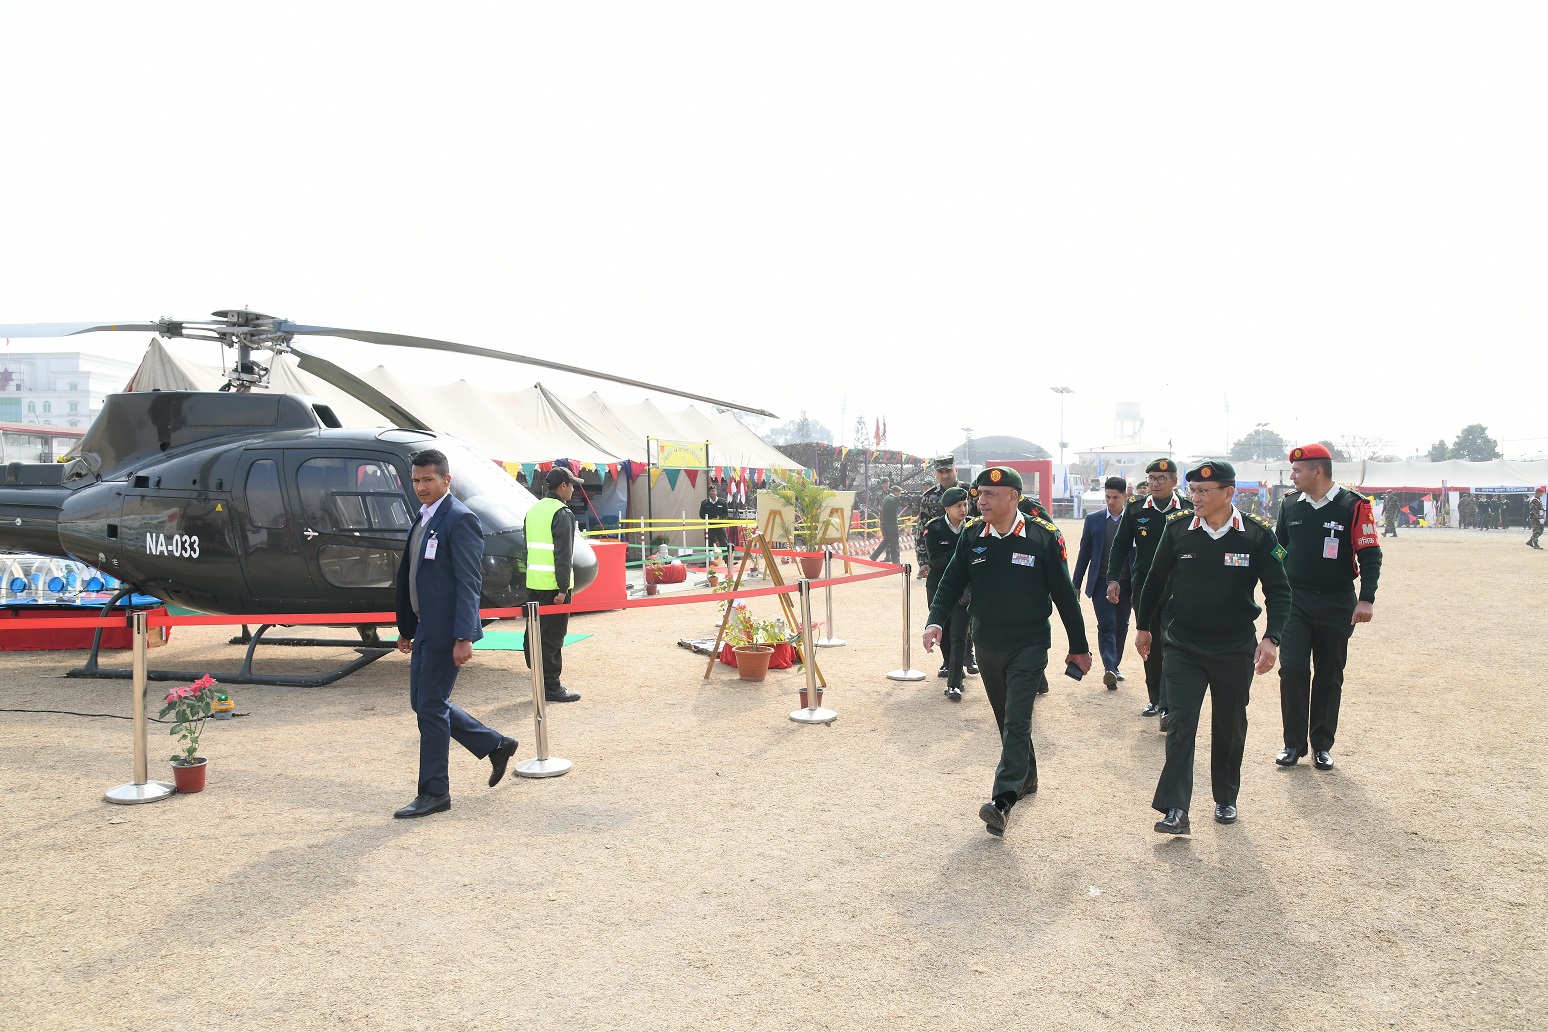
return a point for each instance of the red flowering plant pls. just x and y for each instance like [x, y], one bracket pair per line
[190, 707]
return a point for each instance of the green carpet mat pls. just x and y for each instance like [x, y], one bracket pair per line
[512, 641]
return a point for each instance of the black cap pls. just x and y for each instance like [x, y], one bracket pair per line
[560, 475]
[1212, 471]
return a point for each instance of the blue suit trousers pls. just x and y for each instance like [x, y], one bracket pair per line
[431, 677]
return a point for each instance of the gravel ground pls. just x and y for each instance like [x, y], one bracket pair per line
[709, 864]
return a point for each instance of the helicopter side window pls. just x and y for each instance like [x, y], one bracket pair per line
[265, 504]
[341, 494]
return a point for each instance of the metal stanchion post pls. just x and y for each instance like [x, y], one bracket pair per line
[813, 713]
[830, 642]
[907, 671]
[141, 789]
[542, 765]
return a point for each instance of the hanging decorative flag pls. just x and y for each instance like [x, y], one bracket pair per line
[530, 469]
[636, 470]
[545, 466]
[877, 434]
[672, 475]
[884, 428]
[655, 475]
[693, 477]
[612, 469]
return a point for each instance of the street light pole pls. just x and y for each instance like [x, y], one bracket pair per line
[968, 458]
[1062, 392]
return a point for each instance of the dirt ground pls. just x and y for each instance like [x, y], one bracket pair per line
[709, 864]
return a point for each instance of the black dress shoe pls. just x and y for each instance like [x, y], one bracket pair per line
[1150, 711]
[424, 805]
[993, 814]
[1322, 760]
[954, 694]
[1111, 680]
[1174, 823]
[1225, 813]
[500, 759]
[943, 672]
[972, 667]
[1166, 720]
[1289, 757]
[560, 694]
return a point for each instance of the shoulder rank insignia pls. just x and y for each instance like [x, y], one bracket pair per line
[1133, 499]
[1259, 520]
[1179, 514]
[1045, 524]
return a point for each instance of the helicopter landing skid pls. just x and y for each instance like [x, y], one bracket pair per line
[368, 654]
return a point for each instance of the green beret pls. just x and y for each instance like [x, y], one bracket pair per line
[1162, 466]
[1212, 471]
[952, 495]
[998, 476]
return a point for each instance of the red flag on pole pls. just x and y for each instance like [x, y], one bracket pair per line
[877, 434]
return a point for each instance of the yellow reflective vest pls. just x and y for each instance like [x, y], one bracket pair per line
[540, 545]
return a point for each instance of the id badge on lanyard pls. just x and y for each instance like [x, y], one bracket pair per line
[430, 546]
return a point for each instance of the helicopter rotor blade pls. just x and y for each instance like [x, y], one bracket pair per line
[399, 340]
[358, 389]
[70, 329]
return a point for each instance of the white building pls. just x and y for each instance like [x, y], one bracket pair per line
[58, 388]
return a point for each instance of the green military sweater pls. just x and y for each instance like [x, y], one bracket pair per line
[1139, 529]
[1212, 583]
[1327, 547]
[1017, 581]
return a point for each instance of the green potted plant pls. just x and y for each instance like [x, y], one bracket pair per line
[190, 706]
[811, 502]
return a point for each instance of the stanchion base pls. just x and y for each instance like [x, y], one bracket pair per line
[814, 716]
[830, 643]
[906, 675]
[549, 768]
[150, 792]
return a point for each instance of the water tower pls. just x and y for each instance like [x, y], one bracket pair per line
[1128, 424]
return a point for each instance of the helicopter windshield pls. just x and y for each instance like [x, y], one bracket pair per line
[503, 503]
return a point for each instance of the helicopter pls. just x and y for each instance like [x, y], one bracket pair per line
[245, 502]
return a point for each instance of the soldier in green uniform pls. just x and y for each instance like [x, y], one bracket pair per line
[1139, 531]
[940, 539]
[1389, 514]
[1465, 511]
[930, 508]
[1209, 564]
[1017, 568]
[1535, 518]
[1329, 536]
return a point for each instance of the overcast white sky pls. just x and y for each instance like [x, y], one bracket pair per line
[1333, 214]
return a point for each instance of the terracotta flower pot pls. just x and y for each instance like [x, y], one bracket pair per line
[652, 588]
[190, 777]
[752, 661]
[803, 698]
[811, 565]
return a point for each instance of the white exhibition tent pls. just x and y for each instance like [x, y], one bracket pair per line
[524, 428]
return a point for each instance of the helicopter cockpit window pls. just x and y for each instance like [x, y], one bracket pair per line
[339, 494]
[265, 504]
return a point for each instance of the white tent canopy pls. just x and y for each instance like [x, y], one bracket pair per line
[519, 427]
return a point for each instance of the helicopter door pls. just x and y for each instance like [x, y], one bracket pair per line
[270, 538]
[355, 522]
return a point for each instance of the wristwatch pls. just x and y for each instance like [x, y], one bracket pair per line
[1270, 637]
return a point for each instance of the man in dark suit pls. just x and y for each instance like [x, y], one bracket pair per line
[1096, 547]
[439, 581]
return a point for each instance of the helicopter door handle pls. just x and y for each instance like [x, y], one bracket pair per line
[309, 533]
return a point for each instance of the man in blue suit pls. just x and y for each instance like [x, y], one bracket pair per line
[1096, 545]
[439, 581]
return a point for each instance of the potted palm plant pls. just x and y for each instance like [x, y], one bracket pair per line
[190, 706]
[811, 502]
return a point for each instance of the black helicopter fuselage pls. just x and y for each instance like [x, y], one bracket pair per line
[256, 503]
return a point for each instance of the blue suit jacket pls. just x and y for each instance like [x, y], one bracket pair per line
[449, 584]
[1092, 536]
